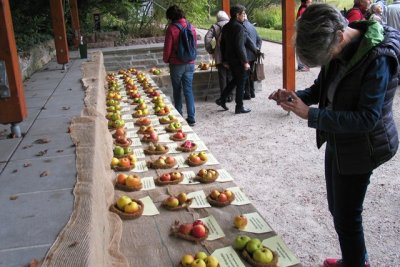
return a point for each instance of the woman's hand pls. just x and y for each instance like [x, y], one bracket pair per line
[296, 105]
[279, 96]
[289, 101]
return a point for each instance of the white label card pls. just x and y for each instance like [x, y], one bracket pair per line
[140, 166]
[139, 153]
[211, 160]
[286, 257]
[240, 197]
[148, 183]
[127, 117]
[129, 125]
[132, 134]
[224, 176]
[188, 178]
[256, 224]
[215, 231]
[149, 208]
[228, 257]
[199, 200]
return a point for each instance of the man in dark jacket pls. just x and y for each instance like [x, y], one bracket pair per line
[255, 39]
[234, 56]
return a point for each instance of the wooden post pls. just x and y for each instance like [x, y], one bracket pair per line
[60, 36]
[75, 22]
[288, 13]
[226, 6]
[12, 108]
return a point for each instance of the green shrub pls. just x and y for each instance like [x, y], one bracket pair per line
[268, 18]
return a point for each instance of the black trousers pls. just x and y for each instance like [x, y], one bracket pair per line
[240, 76]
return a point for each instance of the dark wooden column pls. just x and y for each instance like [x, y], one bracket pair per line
[288, 13]
[75, 22]
[60, 36]
[226, 6]
[13, 107]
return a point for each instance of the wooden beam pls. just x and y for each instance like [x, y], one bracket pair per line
[288, 16]
[13, 108]
[60, 36]
[226, 6]
[75, 22]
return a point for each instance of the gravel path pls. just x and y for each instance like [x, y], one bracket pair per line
[273, 157]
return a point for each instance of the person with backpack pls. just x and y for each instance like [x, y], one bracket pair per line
[180, 53]
[214, 35]
[359, 10]
[234, 57]
[354, 92]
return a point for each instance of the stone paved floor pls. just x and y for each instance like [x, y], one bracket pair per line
[37, 179]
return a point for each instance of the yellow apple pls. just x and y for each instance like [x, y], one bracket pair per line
[123, 201]
[132, 207]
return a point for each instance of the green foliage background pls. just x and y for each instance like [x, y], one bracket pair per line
[32, 19]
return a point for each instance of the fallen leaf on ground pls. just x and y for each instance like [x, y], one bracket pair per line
[13, 197]
[45, 173]
[41, 153]
[34, 263]
[42, 141]
[27, 164]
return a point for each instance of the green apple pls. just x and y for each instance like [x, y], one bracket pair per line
[119, 151]
[128, 150]
[198, 263]
[253, 245]
[123, 201]
[201, 255]
[240, 242]
[119, 123]
[211, 261]
[263, 255]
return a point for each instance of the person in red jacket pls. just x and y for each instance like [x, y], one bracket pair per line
[358, 11]
[181, 73]
[303, 6]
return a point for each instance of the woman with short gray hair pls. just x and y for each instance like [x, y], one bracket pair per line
[354, 92]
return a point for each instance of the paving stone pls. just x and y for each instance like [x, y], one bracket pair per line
[22, 256]
[58, 145]
[60, 108]
[33, 219]
[49, 126]
[2, 165]
[36, 102]
[38, 174]
[7, 147]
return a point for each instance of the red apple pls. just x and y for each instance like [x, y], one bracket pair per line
[198, 231]
[121, 178]
[124, 162]
[222, 197]
[196, 222]
[170, 160]
[185, 228]
[166, 177]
